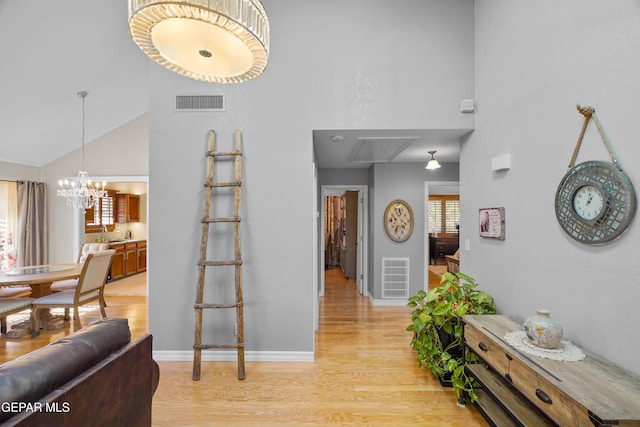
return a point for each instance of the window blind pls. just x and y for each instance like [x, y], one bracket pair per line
[444, 215]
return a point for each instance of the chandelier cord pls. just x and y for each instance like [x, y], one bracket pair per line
[82, 94]
[80, 191]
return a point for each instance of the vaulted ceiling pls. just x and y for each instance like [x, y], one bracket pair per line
[52, 50]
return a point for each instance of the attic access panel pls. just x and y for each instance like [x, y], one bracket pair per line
[379, 149]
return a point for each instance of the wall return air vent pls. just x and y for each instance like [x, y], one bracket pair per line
[395, 278]
[199, 103]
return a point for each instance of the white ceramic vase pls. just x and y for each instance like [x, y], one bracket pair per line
[542, 330]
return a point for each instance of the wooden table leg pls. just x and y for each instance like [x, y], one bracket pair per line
[47, 321]
[40, 289]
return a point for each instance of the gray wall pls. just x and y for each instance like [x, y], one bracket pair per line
[358, 176]
[16, 172]
[534, 62]
[406, 182]
[333, 65]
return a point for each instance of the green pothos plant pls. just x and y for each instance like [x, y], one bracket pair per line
[437, 326]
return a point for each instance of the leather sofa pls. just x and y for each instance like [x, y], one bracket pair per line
[94, 377]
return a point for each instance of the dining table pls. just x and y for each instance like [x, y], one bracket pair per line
[39, 277]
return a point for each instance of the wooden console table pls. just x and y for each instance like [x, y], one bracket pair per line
[522, 389]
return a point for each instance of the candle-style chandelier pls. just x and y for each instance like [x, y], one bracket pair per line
[80, 191]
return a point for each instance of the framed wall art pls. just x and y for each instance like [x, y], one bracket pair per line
[398, 221]
[492, 223]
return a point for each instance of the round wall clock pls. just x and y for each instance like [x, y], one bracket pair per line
[595, 202]
[398, 221]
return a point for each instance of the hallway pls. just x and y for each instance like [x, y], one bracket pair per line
[364, 374]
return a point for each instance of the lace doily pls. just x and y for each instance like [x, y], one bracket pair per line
[567, 351]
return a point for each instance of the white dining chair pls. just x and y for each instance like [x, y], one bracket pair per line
[90, 288]
[85, 250]
[10, 306]
[15, 291]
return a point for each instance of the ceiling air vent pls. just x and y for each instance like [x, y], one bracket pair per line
[199, 103]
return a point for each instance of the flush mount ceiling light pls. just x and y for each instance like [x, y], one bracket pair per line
[433, 163]
[217, 41]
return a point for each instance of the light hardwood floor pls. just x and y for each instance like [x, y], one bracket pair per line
[364, 374]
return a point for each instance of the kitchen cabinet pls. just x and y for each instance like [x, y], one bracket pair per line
[127, 208]
[117, 262]
[130, 258]
[142, 255]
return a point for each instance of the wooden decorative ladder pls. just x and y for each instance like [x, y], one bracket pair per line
[200, 305]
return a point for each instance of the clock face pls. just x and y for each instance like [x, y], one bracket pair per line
[398, 220]
[595, 202]
[588, 202]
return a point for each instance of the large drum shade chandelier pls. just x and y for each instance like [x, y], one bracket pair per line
[218, 41]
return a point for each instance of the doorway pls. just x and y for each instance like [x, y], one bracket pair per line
[357, 244]
[434, 187]
[116, 181]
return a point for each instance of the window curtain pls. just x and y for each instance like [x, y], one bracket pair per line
[332, 231]
[8, 224]
[32, 223]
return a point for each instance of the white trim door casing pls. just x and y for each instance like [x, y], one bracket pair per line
[316, 262]
[361, 248]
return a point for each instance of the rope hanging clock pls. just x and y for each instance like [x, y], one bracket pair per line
[595, 201]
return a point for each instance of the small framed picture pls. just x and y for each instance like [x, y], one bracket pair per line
[492, 223]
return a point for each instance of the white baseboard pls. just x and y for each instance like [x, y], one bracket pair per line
[388, 302]
[232, 356]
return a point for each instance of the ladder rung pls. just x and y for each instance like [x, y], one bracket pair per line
[223, 154]
[230, 219]
[223, 184]
[205, 346]
[219, 263]
[207, 305]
